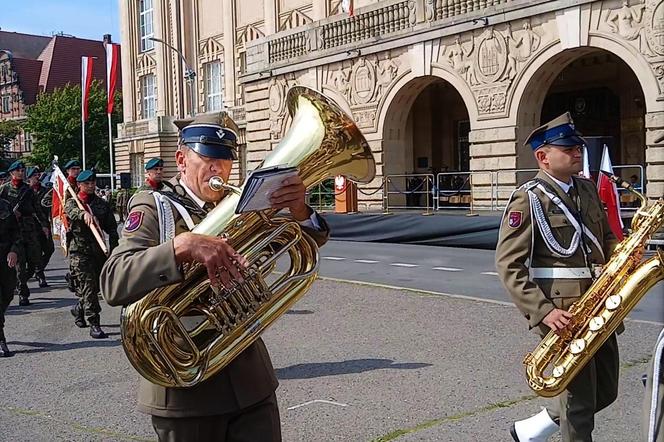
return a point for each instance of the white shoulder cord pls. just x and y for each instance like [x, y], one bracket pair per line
[166, 220]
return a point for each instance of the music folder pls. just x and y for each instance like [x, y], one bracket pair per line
[259, 187]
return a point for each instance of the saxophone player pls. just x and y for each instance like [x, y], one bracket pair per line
[239, 402]
[553, 235]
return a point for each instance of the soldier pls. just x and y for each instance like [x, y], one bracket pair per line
[32, 225]
[72, 169]
[3, 177]
[45, 241]
[10, 243]
[154, 173]
[653, 400]
[86, 257]
[239, 402]
[553, 235]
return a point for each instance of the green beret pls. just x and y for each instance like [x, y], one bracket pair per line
[86, 175]
[154, 162]
[3, 174]
[31, 171]
[18, 164]
[72, 163]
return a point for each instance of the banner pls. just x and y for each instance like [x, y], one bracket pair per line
[347, 6]
[60, 224]
[608, 193]
[86, 81]
[112, 63]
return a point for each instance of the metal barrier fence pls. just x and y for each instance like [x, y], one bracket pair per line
[459, 190]
[407, 192]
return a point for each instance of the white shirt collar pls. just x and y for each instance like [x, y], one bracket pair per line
[564, 186]
[192, 195]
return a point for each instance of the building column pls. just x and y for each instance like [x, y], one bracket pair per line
[128, 36]
[162, 58]
[655, 154]
[493, 159]
[319, 10]
[228, 11]
[271, 16]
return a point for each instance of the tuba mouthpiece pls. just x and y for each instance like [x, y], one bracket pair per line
[217, 184]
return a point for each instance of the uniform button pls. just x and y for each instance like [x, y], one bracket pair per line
[163, 277]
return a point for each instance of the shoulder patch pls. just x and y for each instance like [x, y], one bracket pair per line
[514, 219]
[134, 221]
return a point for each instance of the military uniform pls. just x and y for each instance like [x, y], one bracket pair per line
[149, 184]
[86, 257]
[653, 401]
[31, 221]
[545, 264]
[69, 168]
[43, 200]
[238, 402]
[10, 241]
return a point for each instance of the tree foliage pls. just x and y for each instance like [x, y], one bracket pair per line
[9, 129]
[55, 123]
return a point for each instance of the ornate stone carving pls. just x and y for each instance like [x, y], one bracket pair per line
[293, 19]
[430, 10]
[366, 81]
[363, 82]
[491, 56]
[277, 104]
[412, 12]
[492, 99]
[365, 118]
[520, 46]
[659, 74]
[654, 25]
[629, 24]
[459, 56]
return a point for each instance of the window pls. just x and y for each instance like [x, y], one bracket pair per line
[145, 24]
[5, 104]
[148, 96]
[136, 170]
[214, 86]
[28, 142]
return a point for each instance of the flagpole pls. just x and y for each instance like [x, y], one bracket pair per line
[83, 137]
[110, 151]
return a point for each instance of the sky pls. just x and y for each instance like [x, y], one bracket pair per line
[89, 19]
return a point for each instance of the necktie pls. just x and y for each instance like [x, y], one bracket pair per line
[208, 207]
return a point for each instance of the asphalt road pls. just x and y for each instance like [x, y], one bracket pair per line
[448, 270]
[356, 362]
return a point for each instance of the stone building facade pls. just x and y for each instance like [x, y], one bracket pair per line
[435, 85]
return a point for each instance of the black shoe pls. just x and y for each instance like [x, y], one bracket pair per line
[42, 280]
[78, 314]
[4, 351]
[96, 332]
[23, 301]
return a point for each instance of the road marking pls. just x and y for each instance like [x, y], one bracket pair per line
[490, 273]
[402, 264]
[447, 269]
[333, 258]
[366, 261]
[317, 401]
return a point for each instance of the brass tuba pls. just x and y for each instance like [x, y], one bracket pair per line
[322, 142]
[597, 314]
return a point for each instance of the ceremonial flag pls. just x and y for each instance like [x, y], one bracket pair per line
[60, 224]
[608, 193]
[86, 81]
[586, 164]
[112, 63]
[347, 6]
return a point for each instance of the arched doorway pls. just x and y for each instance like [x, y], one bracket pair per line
[425, 132]
[605, 99]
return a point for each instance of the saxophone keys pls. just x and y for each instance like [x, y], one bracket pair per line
[613, 302]
[558, 371]
[577, 346]
[596, 323]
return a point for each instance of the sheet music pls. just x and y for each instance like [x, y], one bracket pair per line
[260, 186]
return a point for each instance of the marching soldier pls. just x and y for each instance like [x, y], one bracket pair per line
[32, 225]
[45, 241]
[553, 235]
[10, 243]
[72, 169]
[154, 175]
[239, 402]
[86, 257]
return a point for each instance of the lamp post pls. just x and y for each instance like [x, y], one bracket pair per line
[189, 75]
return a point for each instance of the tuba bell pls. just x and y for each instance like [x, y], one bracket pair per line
[624, 281]
[322, 142]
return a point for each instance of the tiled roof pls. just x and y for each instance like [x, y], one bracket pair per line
[23, 45]
[28, 72]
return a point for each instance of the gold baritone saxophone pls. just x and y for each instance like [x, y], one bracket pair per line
[166, 350]
[624, 280]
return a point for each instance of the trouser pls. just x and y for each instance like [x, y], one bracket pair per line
[47, 248]
[7, 286]
[658, 415]
[258, 423]
[594, 388]
[86, 269]
[30, 258]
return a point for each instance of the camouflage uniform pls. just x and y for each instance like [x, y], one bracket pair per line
[85, 256]
[45, 241]
[31, 221]
[10, 241]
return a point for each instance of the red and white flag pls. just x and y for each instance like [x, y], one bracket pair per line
[86, 81]
[586, 164]
[347, 6]
[608, 193]
[112, 63]
[60, 223]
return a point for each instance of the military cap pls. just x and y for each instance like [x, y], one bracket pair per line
[86, 175]
[210, 135]
[31, 171]
[154, 162]
[3, 174]
[18, 164]
[559, 132]
[72, 163]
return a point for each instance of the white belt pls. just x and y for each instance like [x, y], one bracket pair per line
[560, 273]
